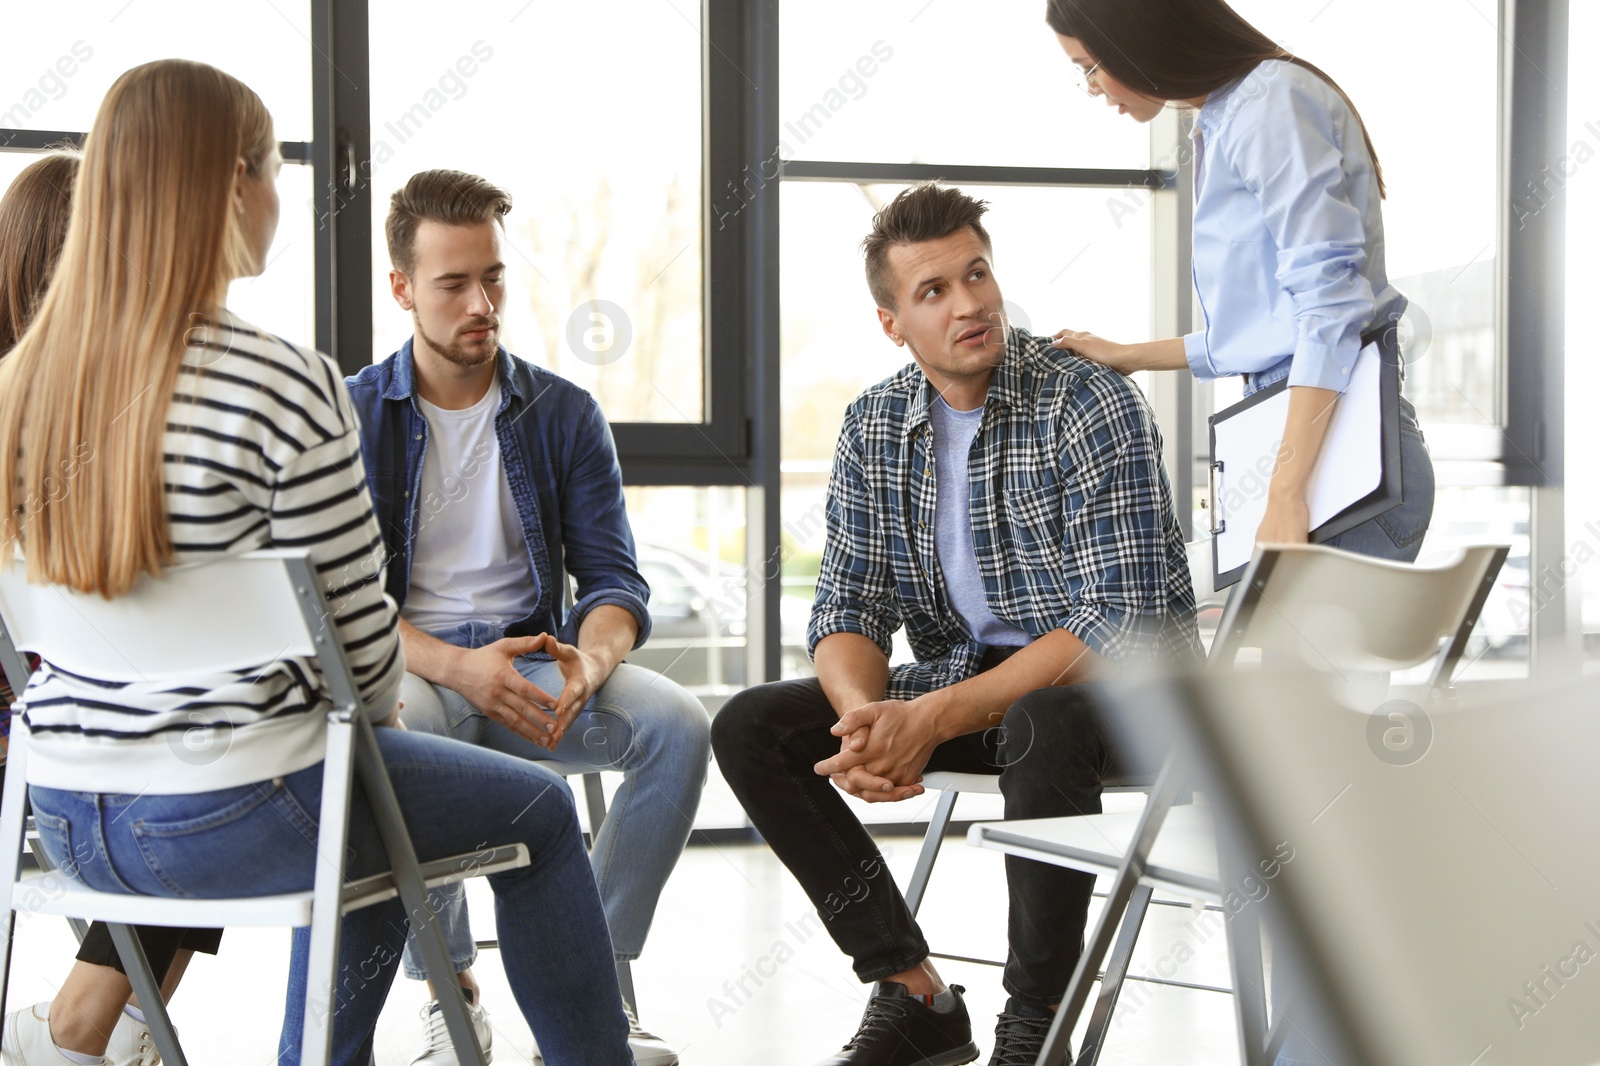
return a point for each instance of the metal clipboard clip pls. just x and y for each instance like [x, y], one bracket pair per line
[1215, 478]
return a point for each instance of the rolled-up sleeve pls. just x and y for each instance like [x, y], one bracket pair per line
[598, 540]
[1198, 356]
[1116, 514]
[1294, 166]
[855, 588]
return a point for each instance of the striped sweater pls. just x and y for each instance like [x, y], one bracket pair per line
[262, 451]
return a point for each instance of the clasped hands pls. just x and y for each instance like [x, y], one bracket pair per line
[883, 749]
[488, 678]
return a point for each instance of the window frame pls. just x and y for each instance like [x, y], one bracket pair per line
[738, 442]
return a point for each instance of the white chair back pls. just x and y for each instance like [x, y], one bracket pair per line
[119, 640]
[1444, 905]
[1334, 610]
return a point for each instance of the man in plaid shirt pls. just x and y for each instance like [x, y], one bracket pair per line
[1005, 502]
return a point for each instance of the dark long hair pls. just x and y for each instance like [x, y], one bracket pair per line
[33, 227]
[1178, 49]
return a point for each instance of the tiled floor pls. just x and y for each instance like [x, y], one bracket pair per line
[712, 980]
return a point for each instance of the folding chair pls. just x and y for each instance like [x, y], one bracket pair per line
[1332, 611]
[16, 671]
[231, 614]
[1437, 912]
[951, 785]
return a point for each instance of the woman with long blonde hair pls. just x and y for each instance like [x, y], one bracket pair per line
[143, 426]
[92, 1013]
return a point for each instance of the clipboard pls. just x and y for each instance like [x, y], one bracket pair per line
[1363, 483]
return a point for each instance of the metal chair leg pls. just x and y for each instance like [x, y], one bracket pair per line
[625, 982]
[322, 957]
[594, 792]
[1249, 986]
[5, 957]
[413, 894]
[148, 989]
[1116, 972]
[917, 887]
[1122, 890]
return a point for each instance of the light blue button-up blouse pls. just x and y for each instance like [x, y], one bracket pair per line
[1288, 239]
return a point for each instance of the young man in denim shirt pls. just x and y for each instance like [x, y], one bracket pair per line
[1005, 502]
[492, 480]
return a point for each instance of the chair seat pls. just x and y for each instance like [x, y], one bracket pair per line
[565, 769]
[944, 780]
[53, 893]
[1183, 859]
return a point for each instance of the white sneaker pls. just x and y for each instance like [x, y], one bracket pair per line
[26, 1039]
[437, 1050]
[648, 1049]
[131, 1044]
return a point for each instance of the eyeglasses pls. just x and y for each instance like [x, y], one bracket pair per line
[1088, 87]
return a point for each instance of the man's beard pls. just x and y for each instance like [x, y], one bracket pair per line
[1000, 323]
[456, 352]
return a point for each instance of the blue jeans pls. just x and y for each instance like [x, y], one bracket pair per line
[260, 839]
[649, 728]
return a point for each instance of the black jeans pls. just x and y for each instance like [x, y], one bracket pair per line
[1051, 754]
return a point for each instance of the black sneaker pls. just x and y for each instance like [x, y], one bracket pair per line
[1020, 1034]
[901, 1030]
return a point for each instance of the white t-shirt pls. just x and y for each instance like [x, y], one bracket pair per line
[469, 561]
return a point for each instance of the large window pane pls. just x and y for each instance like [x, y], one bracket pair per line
[605, 280]
[1440, 215]
[282, 299]
[1581, 565]
[1063, 257]
[1482, 515]
[691, 548]
[12, 164]
[58, 60]
[909, 81]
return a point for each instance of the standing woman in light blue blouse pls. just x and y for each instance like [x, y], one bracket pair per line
[1288, 236]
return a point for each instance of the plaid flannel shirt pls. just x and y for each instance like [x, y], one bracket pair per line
[1072, 520]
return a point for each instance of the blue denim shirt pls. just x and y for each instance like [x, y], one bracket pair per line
[560, 463]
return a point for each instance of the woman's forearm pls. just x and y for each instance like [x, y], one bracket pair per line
[1165, 354]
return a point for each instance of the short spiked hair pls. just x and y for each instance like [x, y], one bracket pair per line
[923, 212]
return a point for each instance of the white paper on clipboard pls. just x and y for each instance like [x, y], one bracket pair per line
[1247, 446]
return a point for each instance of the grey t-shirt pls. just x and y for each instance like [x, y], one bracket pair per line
[953, 432]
